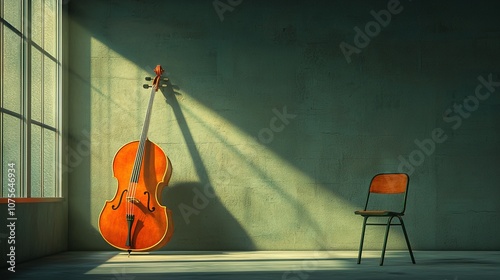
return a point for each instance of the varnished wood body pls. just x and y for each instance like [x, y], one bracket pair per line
[150, 230]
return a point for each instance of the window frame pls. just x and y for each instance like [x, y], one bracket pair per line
[24, 169]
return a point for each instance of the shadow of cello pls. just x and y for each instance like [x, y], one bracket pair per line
[201, 221]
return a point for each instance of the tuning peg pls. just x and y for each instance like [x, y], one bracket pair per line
[146, 86]
[150, 79]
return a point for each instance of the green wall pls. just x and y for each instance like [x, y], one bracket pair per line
[280, 112]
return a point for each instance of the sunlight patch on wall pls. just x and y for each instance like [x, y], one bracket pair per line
[267, 195]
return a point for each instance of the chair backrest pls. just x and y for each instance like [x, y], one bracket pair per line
[389, 183]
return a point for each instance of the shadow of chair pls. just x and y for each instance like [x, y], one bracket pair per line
[385, 185]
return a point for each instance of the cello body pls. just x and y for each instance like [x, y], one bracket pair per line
[150, 230]
[135, 219]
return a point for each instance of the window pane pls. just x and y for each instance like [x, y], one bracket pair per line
[12, 12]
[37, 22]
[50, 26]
[49, 91]
[49, 163]
[36, 84]
[12, 71]
[36, 161]
[11, 151]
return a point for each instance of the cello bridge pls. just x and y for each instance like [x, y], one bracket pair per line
[133, 200]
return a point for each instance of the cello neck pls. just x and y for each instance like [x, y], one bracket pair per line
[145, 127]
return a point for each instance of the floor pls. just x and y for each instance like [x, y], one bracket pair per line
[280, 265]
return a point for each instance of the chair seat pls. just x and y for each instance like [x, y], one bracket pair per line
[377, 213]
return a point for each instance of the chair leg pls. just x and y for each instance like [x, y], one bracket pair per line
[362, 239]
[407, 240]
[385, 240]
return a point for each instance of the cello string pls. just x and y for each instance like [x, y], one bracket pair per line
[133, 182]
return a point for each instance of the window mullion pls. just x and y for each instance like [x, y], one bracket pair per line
[27, 94]
[42, 69]
[59, 101]
[1, 93]
[42, 101]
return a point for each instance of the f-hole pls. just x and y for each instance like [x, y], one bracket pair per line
[119, 202]
[152, 209]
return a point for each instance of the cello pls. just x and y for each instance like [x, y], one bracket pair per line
[135, 220]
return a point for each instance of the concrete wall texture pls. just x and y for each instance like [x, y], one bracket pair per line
[280, 112]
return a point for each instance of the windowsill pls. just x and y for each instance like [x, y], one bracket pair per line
[5, 200]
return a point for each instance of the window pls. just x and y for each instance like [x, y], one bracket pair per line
[30, 87]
